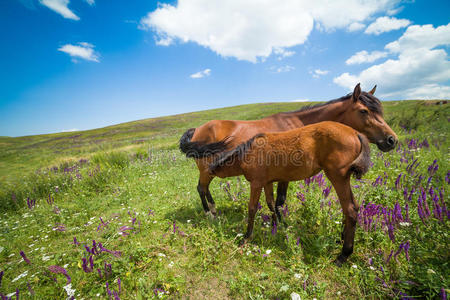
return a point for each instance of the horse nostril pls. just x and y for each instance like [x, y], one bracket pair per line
[390, 140]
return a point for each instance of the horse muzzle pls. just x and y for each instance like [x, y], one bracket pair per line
[387, 144]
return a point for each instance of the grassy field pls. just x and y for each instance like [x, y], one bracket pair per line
[114, 213]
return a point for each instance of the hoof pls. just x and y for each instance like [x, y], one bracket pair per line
[210, 215]
[340, 260]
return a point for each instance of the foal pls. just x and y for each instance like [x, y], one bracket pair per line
[298, 154]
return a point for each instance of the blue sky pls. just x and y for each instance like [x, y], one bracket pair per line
[82, 64]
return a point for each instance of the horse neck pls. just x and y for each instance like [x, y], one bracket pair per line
[329, 112]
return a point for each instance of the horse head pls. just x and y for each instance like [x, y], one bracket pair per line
[365, 114]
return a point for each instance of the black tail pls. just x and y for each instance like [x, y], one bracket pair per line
[200, 149]
[228, 157]
[361, 164]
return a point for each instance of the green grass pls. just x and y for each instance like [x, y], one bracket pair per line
[135, 177]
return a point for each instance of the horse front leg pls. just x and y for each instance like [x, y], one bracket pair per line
[350, 209]
[282, 188]
[255, 193]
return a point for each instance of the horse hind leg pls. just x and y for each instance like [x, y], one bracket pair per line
[205, 195]
[268, 190]
[350, 209]
[282, 188]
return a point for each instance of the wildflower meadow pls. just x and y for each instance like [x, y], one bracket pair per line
[113, 213]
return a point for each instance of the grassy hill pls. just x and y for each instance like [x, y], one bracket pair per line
[130, 189]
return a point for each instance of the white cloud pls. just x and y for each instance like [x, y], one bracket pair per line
[90, 2]
[251, 30]
[365, 57]
[300, 100]
[283, 69]
[355, 27]
[83, 50]
[385, 24]
[419, 71]
[425, 37]
[318, 72]
[282, 53]
[201, 74]
[60, 7]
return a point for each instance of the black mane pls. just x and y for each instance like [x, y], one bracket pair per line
[372, 103]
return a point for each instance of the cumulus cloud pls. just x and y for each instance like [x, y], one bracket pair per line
[252, 30]
[419, 70]
[81, 50]
[201, 74]
[365, 57]
[355, 27]
[385, 24]
[318, 72]
[60, 7]
[90, 2]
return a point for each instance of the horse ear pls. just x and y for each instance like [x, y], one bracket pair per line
[356, 92]
[373, 90]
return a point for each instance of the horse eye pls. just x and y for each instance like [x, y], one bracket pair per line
[364, 111]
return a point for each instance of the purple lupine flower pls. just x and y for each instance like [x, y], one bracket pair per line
[115, 253]
[266, 218]
[108, 290]
[258, 206]
[116, 296]
[298, 241]
[400, 248]
[407, 212]
[30, 290]
[25, 257]
[274, 228]
[119, 284]
[1, 277]
[301, 197]
[397, 181]
[59, 227]
[102, 224]
[91, 262]
[406, 248]
[150, 212]
[370, 261]
[99, 271]
[50, 199]
[389, 257]
[174, 227]
[326, 191]
[443, 294]
[447, 177]
[60, 270]
[75, 242]
[17, 294]
[85, 267]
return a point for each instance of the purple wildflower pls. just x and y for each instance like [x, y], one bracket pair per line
[1, 277]
[25, 257]
[397, 181]
[274, 229]
[60, 270]
[266, 218]
[116, 296]
[120, 285]
[75, 242]
[108, 290]
[443, 294]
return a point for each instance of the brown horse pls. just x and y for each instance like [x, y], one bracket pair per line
[359, 110]
[295, 155]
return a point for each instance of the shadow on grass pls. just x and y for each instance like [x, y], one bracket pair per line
[233, 219]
